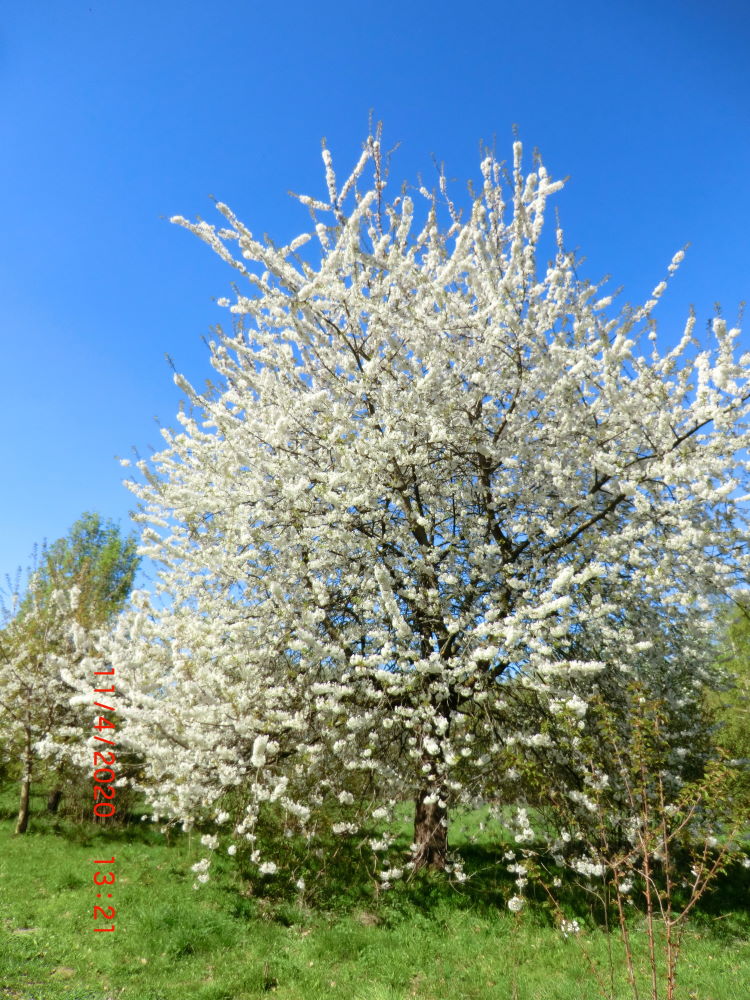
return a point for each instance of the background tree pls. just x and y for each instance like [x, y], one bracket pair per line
[731, 707]
[433, 468]
[78, 584]
[95, 557]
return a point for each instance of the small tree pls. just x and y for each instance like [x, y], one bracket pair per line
[433, 465]
[80, 581]
[632, 829]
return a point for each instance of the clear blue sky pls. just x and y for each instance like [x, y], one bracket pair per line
[117, 114]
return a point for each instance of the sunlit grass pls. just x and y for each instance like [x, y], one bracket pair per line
[427, 940]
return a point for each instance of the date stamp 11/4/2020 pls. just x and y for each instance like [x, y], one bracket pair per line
[104, 799]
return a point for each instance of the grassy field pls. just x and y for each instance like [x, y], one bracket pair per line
[427, 940]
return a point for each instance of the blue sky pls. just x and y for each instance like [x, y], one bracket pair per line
[116, 114]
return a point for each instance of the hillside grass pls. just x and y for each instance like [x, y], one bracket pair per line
[428, 939]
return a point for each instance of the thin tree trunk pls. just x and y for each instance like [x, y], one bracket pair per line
[430, 833]
[23, 806]
[53, 800]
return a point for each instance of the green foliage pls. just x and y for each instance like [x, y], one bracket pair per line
[95, 557]
[732, 707]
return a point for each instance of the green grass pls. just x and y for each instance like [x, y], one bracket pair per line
[426, 940]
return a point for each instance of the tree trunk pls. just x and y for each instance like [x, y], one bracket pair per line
[23, 805]
[430, 833]
[53, 800]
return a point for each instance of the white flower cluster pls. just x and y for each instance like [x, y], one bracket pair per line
[585, 866]
[525, 834]
[201, 869]
[569, 928]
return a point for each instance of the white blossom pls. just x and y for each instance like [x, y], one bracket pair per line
[258, 757]
[436, 480]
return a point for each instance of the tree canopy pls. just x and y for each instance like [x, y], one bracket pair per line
[77, 585]
[95, 557]
[435, 470]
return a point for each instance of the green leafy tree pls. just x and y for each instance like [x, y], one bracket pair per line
[78, 584]
[732, 707]
[95, 557]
